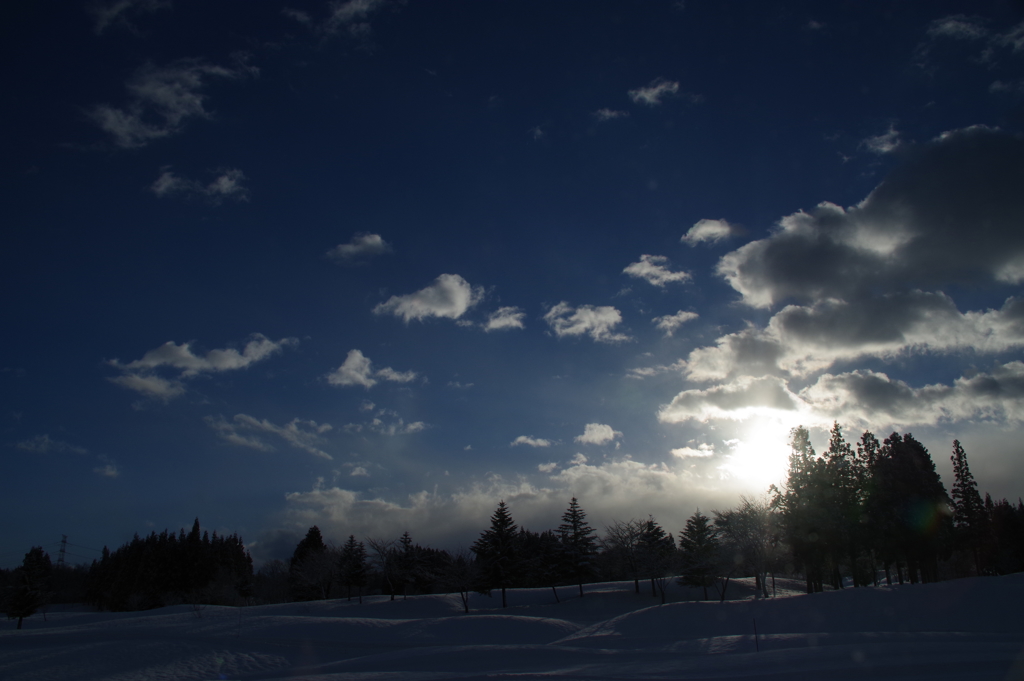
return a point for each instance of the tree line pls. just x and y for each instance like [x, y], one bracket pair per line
[854, 514]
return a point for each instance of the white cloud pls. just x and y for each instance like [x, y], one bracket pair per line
[547, 467]
[505, 318]
[140, 375]
[957, 26]
[609, 114]
[227, 185]
[298, 15]
[450, 296]
[151, 386]
[737, 401]
[596, 322]
[702, 450]
[245, 430]
[351, 15]
[44, 444]
[869, 397]
[1013, 86]
[653, 94]
[597, 434]
[359, 471]
[886, 143]
[670, 322]
[161, 100]
[531, 441]
[651, 269]
[862, 398]
[397, 427]
[800, 340]
[116, 13]
[358, 370]
[648, 372]
[108, 470]
[182, 358]
[1014, 38]
[360, 245]
[389, 374]
[709, 230]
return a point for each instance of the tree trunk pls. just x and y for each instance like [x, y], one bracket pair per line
[581, 589]
[555, 591]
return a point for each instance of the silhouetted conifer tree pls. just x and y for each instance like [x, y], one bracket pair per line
[908, 512]
[1007, 532]
[578, 545]
[496, 553]
[30, 586]
[311, 569]
[352, 566]
[657, 550]
[970, 520]
[699, 553]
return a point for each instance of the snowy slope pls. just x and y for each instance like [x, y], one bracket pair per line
[966, 629]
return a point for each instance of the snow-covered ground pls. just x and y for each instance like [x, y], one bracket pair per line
[965, 629]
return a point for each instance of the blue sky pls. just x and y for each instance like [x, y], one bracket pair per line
[376, 265]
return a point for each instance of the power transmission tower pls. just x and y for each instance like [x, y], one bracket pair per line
[63, 545]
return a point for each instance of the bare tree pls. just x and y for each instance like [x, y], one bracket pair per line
[384, 556]
[624, 540]
[753, 531]
[459, 574]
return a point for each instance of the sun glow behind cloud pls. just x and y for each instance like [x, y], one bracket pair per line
[759, 455]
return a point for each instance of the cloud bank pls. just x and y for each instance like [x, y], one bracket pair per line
[868, 282]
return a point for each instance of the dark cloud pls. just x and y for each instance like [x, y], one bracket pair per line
[951, 213]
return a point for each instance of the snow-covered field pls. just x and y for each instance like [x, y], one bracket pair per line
[965, 629]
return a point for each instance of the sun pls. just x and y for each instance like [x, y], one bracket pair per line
[759, 456]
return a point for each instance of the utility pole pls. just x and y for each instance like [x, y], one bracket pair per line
[63, 545]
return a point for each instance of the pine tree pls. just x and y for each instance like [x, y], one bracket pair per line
[804, 507]
[496, 553]
[969, 516]
[352, 566]
[908, 511]
[578, 544]
[311, 568]
[699, 551]
[846, 473]
[657, 549]
[407, 563]
[31, 585]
